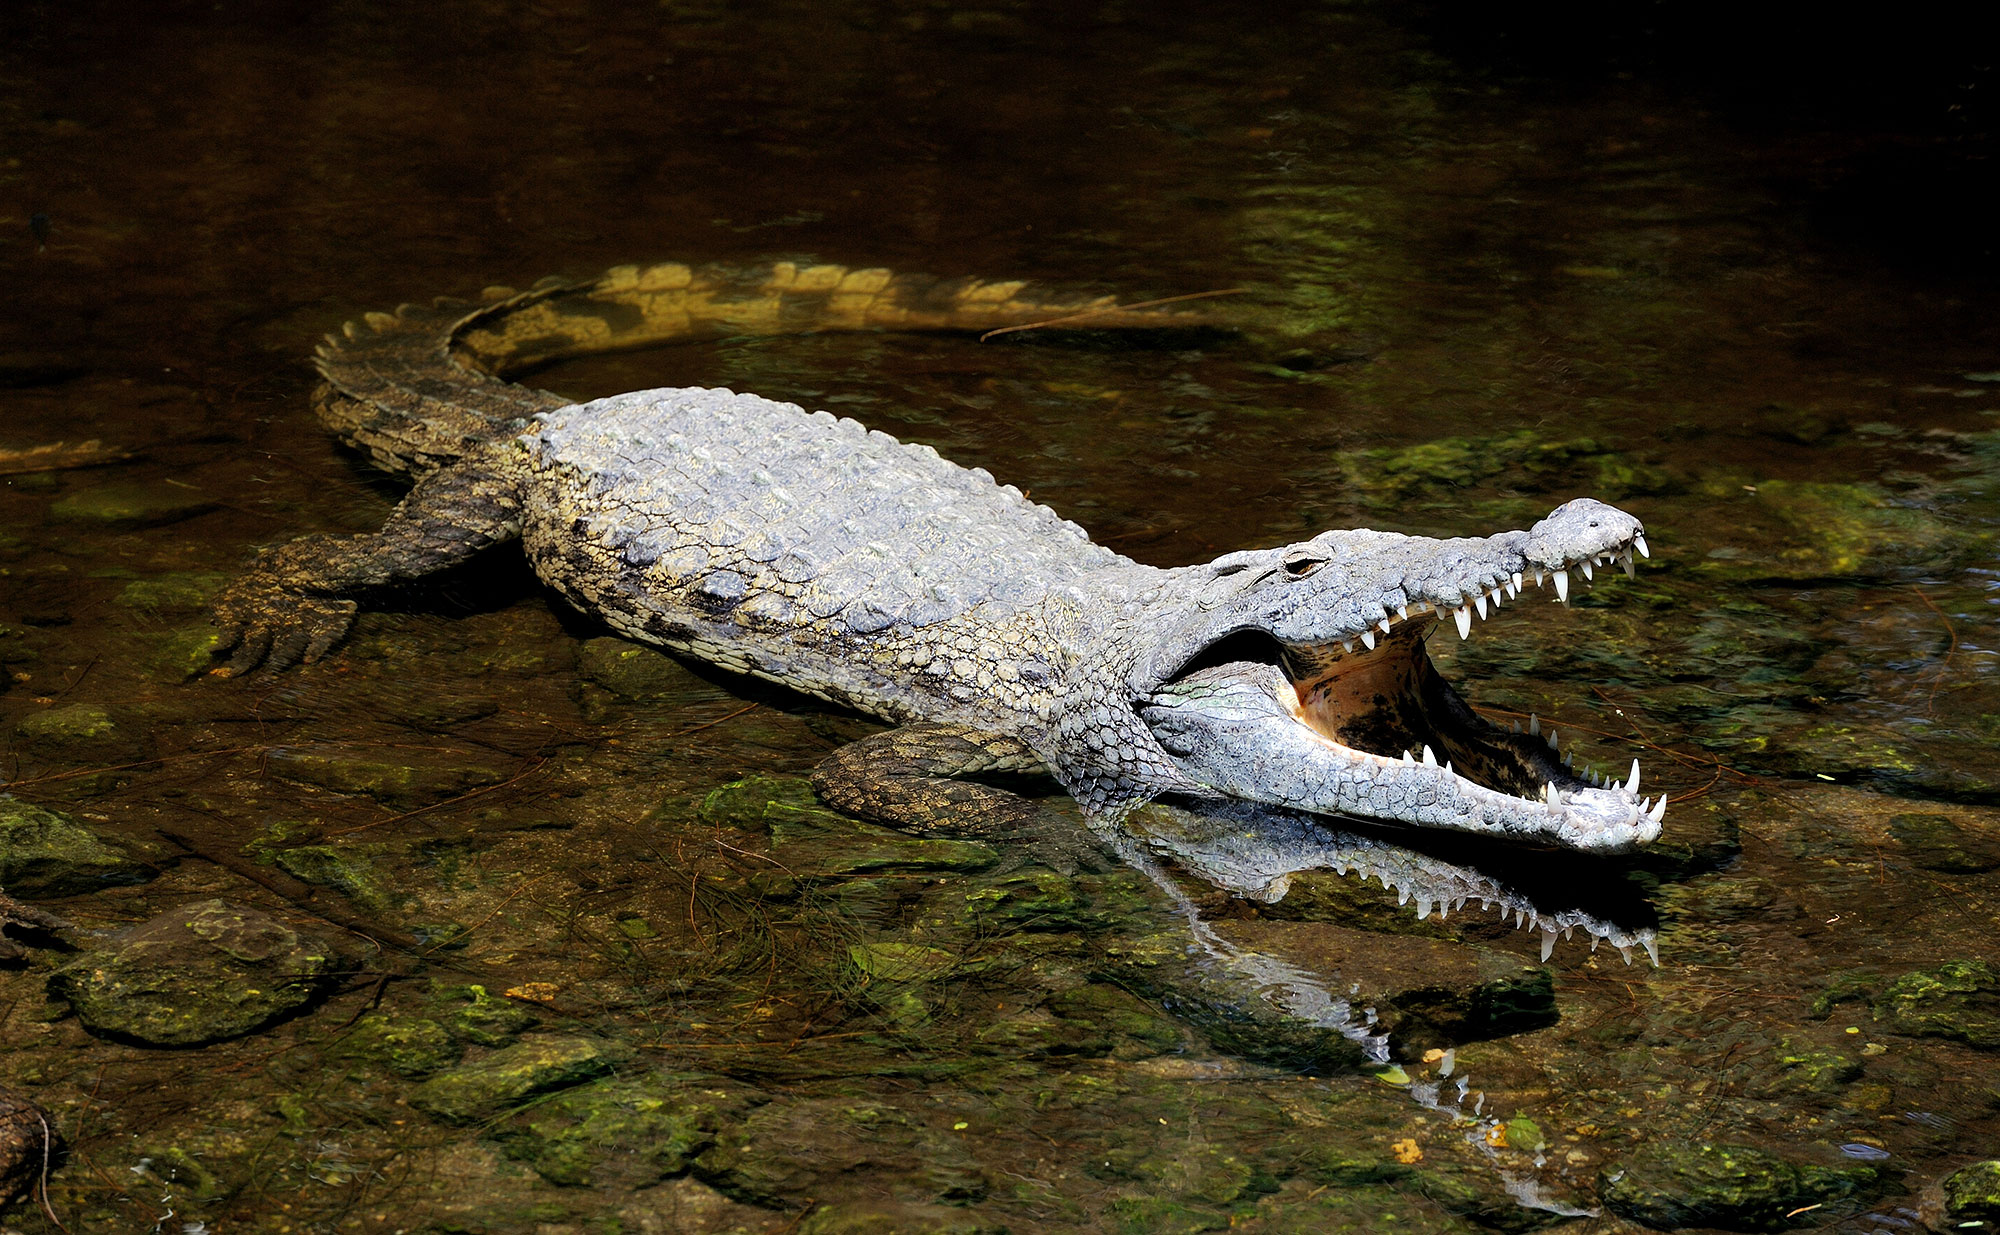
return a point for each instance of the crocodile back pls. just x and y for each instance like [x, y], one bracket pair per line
[798, 546]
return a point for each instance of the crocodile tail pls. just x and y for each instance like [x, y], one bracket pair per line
[419, 387]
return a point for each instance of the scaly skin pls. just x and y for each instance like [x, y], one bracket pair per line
[837, 561]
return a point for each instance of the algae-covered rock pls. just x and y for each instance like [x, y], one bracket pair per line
[1394, 476]
[133, 504]
[486, 1086]
[1971, 1195]
[475, 1015]
[790, 1150]
[747, 804]
[1940, 843]
[403, 776]
[185, 592]
[80, 733]
[621, 1133]
[1669, 1184]
[47, 853]
[634, 673]
[411, 1046]
[193, 975]
[1828, 530]
[1959, 1000]
[184, 654]
[342, 870]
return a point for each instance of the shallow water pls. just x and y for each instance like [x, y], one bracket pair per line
[1475, 286]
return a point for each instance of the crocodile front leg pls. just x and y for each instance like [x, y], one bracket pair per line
[905, 778]
[296, 602]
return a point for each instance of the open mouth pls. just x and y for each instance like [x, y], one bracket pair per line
[1367, 726]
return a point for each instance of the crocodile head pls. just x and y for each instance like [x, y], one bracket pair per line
[1300, 678]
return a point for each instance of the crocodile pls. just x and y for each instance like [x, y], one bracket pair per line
[992, 633]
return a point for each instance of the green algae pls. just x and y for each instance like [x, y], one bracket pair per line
[1959, 1000]
[625, 1132]
[481, 1088]
[1971, 1195]
[1734, 1187]
[44, 852]
[202, 973]
[410, 1046]
[342, 870]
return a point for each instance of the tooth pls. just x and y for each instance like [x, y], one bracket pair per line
[1430, 760]
[1632, 786]
[1406, 757]
[1659, 810]
[1588, 574]
[1631, 571]
[1652, 945]
[1562, 586]
[1402, 613]
[1539, 576]
[1534, 724]
[1549, 794]
[1548, 942]
[1347, 645]
[1385, 623]
[1479, 602]
[1625, 950]
[1552, 741]
[1517, 583]
[1368, 639]
[1639, 542]
[1464, 616]
[1447, 765]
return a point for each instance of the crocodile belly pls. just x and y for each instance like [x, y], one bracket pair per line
[799, 547]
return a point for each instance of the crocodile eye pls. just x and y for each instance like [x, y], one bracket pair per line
[1301, 562]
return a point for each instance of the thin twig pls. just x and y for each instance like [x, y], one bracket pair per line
[42, 1189]
[1944, 665]
[1103, 310]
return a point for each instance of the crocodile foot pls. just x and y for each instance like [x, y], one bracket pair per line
[14, 913]
[262, 621]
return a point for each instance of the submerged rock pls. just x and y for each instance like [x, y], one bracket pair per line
[194, 975]
[891, 1218]
[132, 504]
[1959, 1000]
[47, 853]
[80, 733]
[1941, 843]
[404, 777]
[790, 1150]
[488, 1085]
[411, 1046]
[1670, 1184]
[621, 1133]
[1971, 1195]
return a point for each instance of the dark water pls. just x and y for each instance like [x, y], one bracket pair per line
[1745, 291]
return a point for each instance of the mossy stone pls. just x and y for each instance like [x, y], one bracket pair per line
[186, 592]
[1972, 1194]
[789, 1150]
[1959, 1000]
[411, 1046]
[625, 1133]
[133, 504]
[406, 777]
[201, 973]
[1940, 843]
[345, 872]
[1669, 1184]
[79, 733]
[47, 853]
[489, 1085]
[483, 1019]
